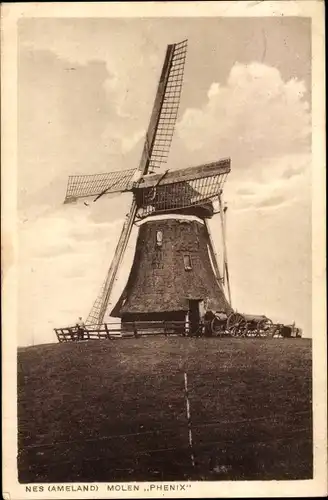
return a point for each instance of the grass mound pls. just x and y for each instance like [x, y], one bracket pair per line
[115, 410]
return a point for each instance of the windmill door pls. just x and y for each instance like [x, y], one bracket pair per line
[195, 315]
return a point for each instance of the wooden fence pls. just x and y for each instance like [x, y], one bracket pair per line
[111, 331]
[126, 330]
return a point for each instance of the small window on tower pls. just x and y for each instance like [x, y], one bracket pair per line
[187, 262]
[159, 238]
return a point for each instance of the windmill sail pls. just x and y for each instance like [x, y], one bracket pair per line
[99, 307]
[182, 188]
[186, 191]
[155, 152]
[158, 139]
[165, 111]
[82, 186]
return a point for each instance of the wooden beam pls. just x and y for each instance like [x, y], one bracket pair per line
[219, 167]
[213, 255]
[225, 258]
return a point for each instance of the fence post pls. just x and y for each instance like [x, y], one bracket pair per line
[58, 338]
[71, 333]
[107, 331]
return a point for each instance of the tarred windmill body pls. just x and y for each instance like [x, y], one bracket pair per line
[175, 274]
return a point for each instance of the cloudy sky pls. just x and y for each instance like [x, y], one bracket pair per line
[85, 93]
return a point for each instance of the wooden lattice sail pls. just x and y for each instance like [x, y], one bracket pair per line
[175, 262]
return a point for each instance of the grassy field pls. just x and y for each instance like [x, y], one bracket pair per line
[115, 410]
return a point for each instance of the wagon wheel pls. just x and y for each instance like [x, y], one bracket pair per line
[242, 328]
[269, 328]
[236, 325]
[233, 320]
[216, 327]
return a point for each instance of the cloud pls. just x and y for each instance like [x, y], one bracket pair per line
[245, 191]
[70, 122]
[274, 201]
[121, 138]
[64, 255]
[256, 114]
[269, 251]
[270, 185]
[292, 172]
[67, 229]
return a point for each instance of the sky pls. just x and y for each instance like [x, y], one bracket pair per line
[85, 93]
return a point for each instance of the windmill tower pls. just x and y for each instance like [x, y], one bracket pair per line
[175, 273]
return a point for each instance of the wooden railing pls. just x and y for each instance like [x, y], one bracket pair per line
[144, 328]
[127, 330]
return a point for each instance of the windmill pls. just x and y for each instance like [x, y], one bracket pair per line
[175, 272]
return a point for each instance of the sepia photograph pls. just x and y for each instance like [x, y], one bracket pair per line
[164, 263]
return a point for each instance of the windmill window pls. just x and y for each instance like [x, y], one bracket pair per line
[159, 238]
[187, 262]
